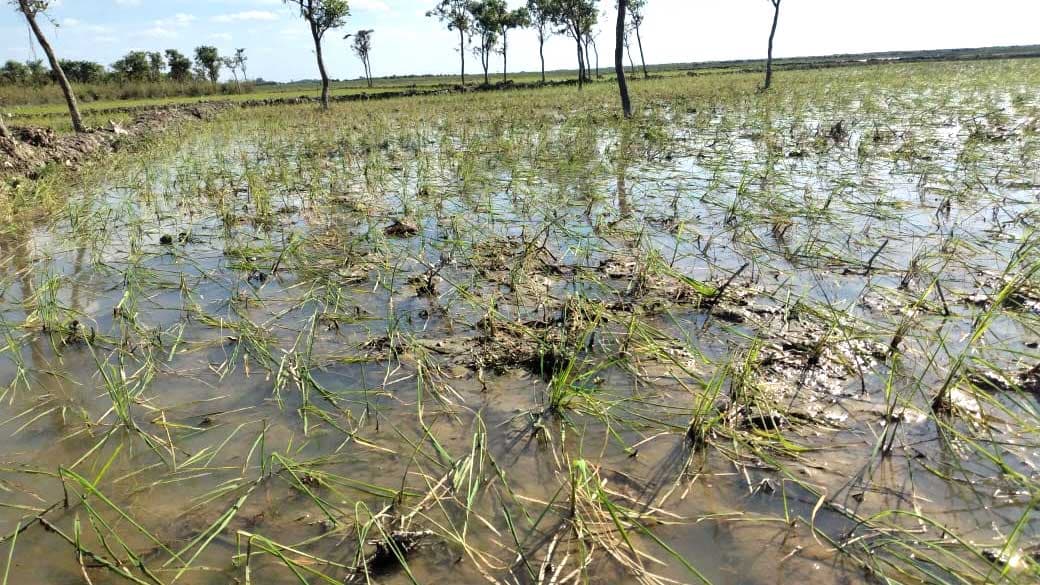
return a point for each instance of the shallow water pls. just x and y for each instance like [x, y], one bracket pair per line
[288, 373]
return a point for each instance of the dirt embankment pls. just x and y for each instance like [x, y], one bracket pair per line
[31, 149]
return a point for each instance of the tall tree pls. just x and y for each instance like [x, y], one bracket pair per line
[31, 9]
[37, 72]
[518, 18]
[628, 51]
[322, 16]
[487, 22]
[576, 18]
[235, 64]
[208, 63]
[619, 58]
[362, 47]
[772, 35]
[455, 15]
[155, 66]
[240, 59]
[231, 65]
[179, 65]
[134, 66]
[14, 73]
[83, 71]
[635, 10]
[590, 40]
[541, 12]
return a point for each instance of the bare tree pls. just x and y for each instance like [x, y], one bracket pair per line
[628, 50]
[236, 63]
[540, 12]
[619, 60]
[322, 16]
[772, 35]
[362, 47]
[636, 8]
[30, 9]
[591, 40]
[455, 15]
[240, 60]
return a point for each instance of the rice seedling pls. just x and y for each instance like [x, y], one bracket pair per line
[510, 337]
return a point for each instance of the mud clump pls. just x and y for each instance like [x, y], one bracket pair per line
[1027, 380]
[402, 228]
[29, 151]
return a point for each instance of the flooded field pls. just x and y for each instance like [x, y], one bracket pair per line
[512, 338]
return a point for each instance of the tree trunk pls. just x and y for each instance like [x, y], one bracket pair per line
[595, 51]
[462, 53]
[485, 59]
[642, 57]
[619, 61]
[581, 63]
[66, 88]
[505, 61]
[772, 35]
[588, 62]
[631, 63]
[541, 51]
[321, 69]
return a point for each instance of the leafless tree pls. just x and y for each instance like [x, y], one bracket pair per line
[636, 8]
[362, 47]
[322, 16]
[772, 35]
[31, 9]
[235, 64]
[619, 60]
[591, 40]
[240, 60]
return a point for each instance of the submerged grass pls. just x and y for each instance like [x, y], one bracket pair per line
[515, 338]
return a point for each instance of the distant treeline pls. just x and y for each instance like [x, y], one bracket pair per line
[135, 66]
[965, 54]
[137, 75]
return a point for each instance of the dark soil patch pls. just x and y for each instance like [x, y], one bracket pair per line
[31, 150]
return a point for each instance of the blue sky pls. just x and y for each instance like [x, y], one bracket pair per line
[279, 46]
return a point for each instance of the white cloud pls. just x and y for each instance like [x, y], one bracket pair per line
[182, 19]
[246, 15]
[79, 25]
[371, 5]
[158, 32]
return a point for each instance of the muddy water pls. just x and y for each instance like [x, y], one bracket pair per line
[294, 363]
